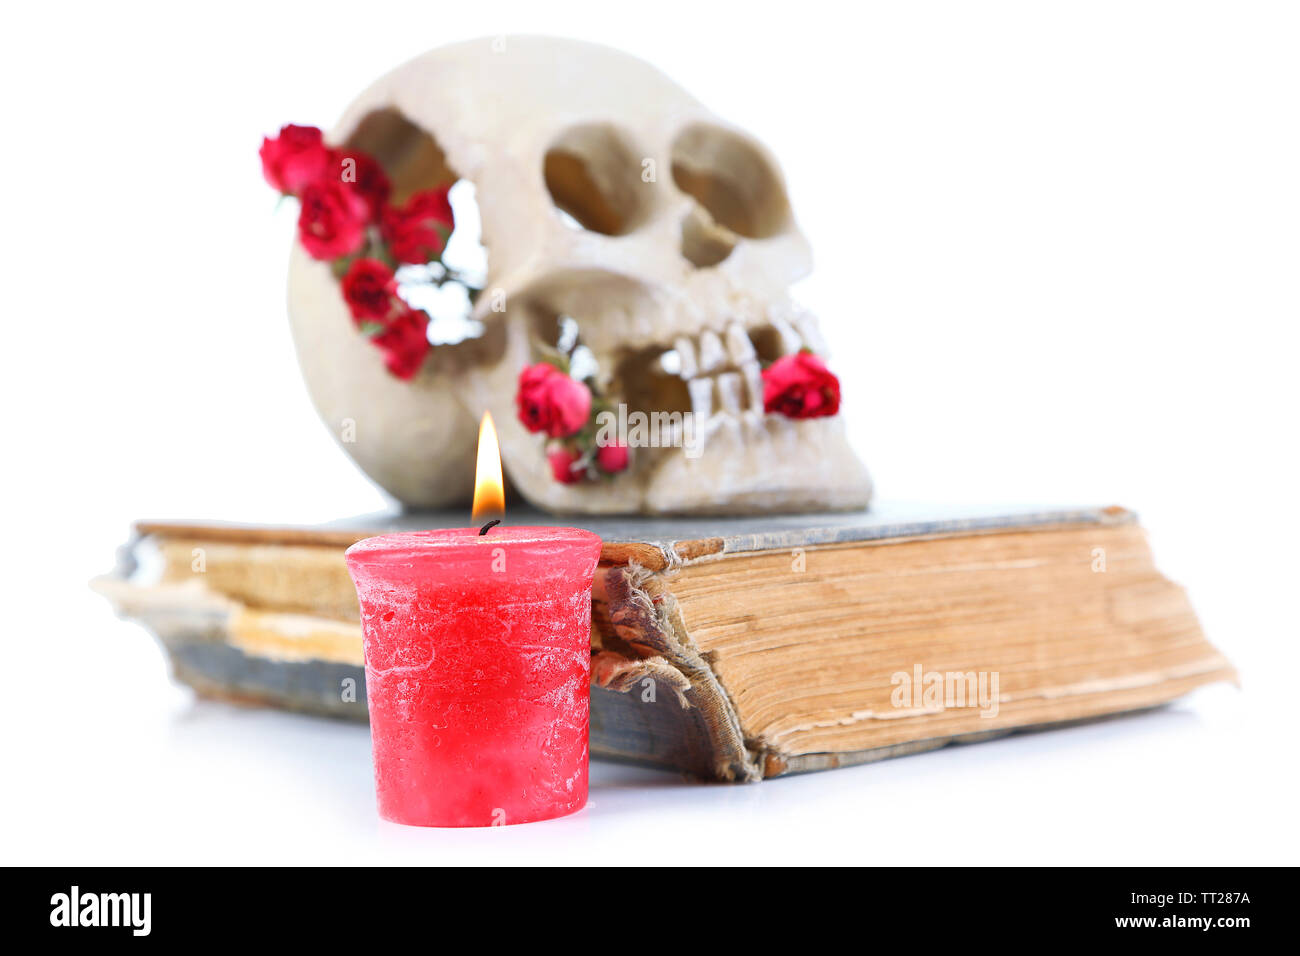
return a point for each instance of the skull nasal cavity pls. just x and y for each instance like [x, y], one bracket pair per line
[730, 177]
[594, 176]
[704, 242]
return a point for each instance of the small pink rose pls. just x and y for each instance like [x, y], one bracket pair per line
[551, 402]
[800, 386]
[295, 158]
[562, 460]
[612, 458]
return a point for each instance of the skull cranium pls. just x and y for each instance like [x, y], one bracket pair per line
[610, 196]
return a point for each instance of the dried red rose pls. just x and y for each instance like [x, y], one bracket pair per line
[369, 288]
[800, 386]
[332, 221]
[405, 343]
[295, 158]
[417, 232]
[551, 402]
[612, 458]
[365, 176]
[562, 460]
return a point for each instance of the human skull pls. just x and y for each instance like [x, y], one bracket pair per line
[610, 196]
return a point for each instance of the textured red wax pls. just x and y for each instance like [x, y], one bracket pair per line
[478, 656]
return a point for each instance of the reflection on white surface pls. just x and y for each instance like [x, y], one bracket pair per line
[162, 777]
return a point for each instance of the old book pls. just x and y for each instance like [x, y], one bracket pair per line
[735, 648]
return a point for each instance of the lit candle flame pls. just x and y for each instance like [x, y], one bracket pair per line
[489, 489]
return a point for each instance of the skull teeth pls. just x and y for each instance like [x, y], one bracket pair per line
[738, 344]
[712, 357]
[701, 390]
[722, 372]
[685, 350]
[754, 382]
[731, 392]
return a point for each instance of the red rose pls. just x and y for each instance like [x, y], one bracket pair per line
[405, 343]
[562, 461]
[295, 158]
[369, 289]
[551, 402]
[417, 232]
[364, 176]
[612, 458]
[332, 222]
[800, 386]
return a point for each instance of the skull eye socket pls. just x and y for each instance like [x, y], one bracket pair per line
[731, 178]
[594, 178]
[411, 157]
[414, 161]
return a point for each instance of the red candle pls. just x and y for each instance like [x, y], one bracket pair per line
[478, 656]
[477, 661]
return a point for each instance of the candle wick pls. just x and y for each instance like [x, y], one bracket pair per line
[484, 530]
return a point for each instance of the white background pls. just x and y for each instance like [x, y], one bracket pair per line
[1057, 251]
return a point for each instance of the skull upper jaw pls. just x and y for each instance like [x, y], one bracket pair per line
[730, 458]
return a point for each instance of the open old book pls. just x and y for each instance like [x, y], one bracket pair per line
[735, 648]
